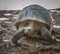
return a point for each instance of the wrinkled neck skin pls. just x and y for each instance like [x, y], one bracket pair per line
[32, 29]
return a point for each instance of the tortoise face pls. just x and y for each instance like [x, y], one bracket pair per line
[34, 28]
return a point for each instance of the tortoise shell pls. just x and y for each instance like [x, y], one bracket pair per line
[34, 13]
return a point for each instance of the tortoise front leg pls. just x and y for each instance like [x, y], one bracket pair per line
[17, 36]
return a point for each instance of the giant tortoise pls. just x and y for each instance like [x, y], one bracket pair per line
[34, 21]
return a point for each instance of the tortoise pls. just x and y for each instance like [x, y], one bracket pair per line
[34, 21]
